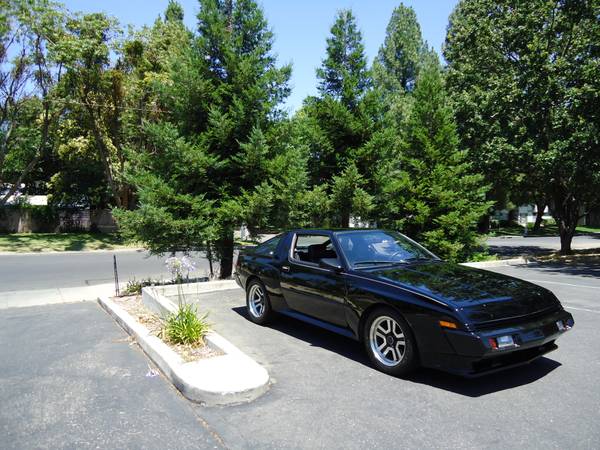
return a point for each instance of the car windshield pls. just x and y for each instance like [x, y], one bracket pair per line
[370, 248]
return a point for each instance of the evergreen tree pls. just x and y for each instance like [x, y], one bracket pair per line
[174, 12]
[397, 64]
[221, 99]
[338, 123]
[431, 193]
[343, 73]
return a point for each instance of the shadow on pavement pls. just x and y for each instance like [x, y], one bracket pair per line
[489, 384]
[477, 387]
[519, 250]
[583, 267]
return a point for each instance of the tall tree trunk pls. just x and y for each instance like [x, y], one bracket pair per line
[105, 154]
[541, 206]
[566, 237]
[566, 214]
[224, 246]
[345, 219]
[483, 226]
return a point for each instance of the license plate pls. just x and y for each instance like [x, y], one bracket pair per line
[560, 325]
[505, 341]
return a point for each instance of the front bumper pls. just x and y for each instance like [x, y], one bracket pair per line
[475, 355]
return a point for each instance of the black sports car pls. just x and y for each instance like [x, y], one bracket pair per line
[406, 305]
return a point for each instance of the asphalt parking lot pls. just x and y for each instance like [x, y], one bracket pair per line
[71, 378]
[325, 395]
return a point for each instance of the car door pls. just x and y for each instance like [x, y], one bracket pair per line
[309, 289]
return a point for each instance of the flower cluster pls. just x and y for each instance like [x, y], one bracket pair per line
[180, 266]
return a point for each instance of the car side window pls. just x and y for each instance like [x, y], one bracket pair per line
[268, 248]
[311, 248]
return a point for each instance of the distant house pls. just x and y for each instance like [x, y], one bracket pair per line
[20, 199]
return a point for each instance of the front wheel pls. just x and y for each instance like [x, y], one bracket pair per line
[389, 342]
[257, 303]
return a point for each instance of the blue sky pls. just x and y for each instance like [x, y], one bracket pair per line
[300, 27]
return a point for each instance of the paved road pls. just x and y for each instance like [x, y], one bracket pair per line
[327, 396]
[519, 245]
[75, 269]
[69, 378]
[27, 272]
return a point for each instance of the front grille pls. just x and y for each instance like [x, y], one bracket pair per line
[500, 323]
[512, 359]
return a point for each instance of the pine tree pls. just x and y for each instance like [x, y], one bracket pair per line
[431, 193]
[220, 101]
[343, 73]
[397, 64]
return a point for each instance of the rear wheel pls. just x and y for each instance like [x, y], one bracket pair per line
[257, 302]
[389, 342]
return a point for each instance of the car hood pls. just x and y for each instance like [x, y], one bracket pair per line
[480, 295]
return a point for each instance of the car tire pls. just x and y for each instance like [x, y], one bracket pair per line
[257, 302]
[389, 342]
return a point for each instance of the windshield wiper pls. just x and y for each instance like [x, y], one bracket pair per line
[418, 258]
[379, 262]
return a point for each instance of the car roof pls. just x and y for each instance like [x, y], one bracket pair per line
[331, 230]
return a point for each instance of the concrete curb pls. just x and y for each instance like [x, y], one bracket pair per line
[498, 263]
[155, 297]
[231, 378]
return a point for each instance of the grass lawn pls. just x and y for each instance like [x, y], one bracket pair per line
[46, 242]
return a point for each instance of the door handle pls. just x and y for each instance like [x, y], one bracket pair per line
[285, 268]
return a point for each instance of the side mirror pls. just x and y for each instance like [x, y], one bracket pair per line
[330, 264]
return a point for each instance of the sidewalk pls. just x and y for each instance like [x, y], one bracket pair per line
[19, 299]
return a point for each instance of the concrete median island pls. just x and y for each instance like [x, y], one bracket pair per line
[227, 377]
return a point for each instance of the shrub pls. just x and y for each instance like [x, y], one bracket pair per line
[134, 287]
[185, 327]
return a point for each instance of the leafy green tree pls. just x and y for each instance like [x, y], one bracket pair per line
[343, 74]
[93, 87]
[431, 193]
[28, 113]
[525, 81]
[395, 70]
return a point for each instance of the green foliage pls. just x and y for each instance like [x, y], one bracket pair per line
[174, 12]
[525, 81]
[134, 286]
[184, 133]
[348, 197]
[397, 64]
[185, 327]
[343, 73]
[431, 194]
[27, 80]
[202, 166]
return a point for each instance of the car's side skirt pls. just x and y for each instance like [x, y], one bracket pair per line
[319, 323]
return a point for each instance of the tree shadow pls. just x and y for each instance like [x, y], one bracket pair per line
[519, 250]
[474, 387]
[582, 267]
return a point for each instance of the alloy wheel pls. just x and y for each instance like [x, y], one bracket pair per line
[256, 300]
[387, 341]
